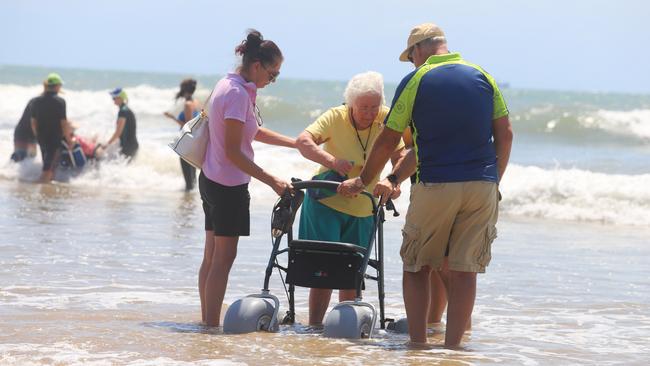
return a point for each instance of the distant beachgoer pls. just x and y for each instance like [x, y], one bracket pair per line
[125, 129]
[24, 139]
[50, 125]
[81, 151]
[234, 123]
[462, 143]
[190, 110]
[90, 147]
[347, 134]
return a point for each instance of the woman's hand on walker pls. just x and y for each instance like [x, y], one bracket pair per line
[351, 187]
[281, 186]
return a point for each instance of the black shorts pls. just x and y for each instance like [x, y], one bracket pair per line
[226, 208]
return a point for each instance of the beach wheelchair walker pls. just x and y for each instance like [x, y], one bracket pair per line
[316, 264]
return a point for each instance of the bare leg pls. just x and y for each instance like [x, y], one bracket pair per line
[462, 293]
[438, 301]
[347, 295]
[205, 268]
[51, 158]
[319, 300]
[444, 275]
[416, 301]
[225, 251]
[31, 150]
[47, 176]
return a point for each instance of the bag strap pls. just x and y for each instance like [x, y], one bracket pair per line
[203, 113]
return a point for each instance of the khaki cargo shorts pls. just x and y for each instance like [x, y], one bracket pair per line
[460, 217]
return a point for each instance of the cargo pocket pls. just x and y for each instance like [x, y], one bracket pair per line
[410, 244]
[485, 254]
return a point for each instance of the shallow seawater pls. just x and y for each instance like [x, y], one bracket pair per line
[99, 277]
[102, 270]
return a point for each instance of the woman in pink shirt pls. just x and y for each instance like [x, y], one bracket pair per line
[228, 166]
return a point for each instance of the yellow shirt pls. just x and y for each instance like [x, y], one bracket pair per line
[335, 128]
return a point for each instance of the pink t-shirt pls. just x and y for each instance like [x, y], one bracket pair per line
[232, 98]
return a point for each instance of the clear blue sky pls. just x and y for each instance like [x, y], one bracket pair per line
[549, 44]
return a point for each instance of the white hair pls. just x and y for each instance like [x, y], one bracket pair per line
[434, 42]
[370, 82]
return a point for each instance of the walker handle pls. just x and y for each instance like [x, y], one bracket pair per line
[390, 206]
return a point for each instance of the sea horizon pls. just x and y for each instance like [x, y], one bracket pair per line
[179, 75]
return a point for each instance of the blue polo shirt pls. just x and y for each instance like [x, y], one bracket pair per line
[449, 105]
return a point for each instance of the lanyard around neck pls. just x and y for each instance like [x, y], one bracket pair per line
[363, 147]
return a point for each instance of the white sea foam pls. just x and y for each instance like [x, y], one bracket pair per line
[577, 195]
[563, 194]
[60, 353]
[93, 111]
[560, 194]
[634, 123]
[65, 353]
[52, 297]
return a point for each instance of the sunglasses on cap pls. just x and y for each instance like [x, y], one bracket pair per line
[410, 53]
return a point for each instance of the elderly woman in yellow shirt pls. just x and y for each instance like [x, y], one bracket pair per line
[347, 134]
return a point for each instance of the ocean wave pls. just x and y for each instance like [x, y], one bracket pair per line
[584, 124]
[528, 191]
[564, 194]
[635, 123]
[576, 195]
[94, 113]
[291, 108]
[83, 104]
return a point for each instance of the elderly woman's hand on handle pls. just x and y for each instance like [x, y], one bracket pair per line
[351, 187]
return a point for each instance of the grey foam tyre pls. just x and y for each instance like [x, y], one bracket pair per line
[248, 315]
[349, 320]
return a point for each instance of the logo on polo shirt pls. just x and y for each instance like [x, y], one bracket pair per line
[399, 107]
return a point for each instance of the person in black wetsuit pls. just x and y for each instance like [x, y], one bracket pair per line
[125, 129]
[190, 110]
[50, 125]
[24, 139]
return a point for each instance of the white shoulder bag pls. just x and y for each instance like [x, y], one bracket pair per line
[193, 139]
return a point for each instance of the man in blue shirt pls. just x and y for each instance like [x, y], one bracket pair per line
[462, 140]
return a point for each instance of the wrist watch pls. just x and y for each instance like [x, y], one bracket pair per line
[392, 178]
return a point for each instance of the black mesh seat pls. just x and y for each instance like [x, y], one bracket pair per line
[325, 264]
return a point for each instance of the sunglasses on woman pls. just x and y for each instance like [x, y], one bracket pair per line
[273, 75]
